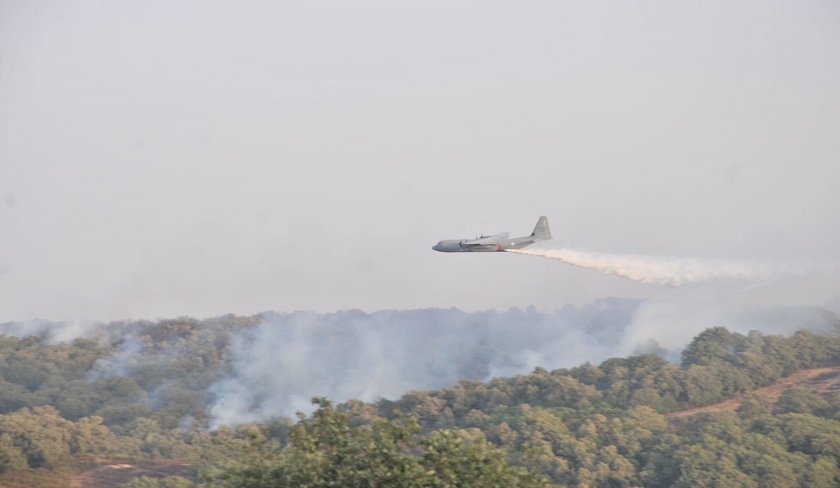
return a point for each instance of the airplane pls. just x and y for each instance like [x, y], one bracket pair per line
[496, 243]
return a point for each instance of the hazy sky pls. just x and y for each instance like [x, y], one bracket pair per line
[164, 158]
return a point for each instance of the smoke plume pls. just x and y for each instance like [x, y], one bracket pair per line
[287, 359]
[278, 365]
[254, 368]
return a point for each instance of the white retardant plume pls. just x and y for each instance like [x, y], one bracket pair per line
[672, 271]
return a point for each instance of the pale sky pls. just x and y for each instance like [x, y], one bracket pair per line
[198, 158]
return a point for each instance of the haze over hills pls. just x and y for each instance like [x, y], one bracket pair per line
[272, 364]
[169, 398]
[201, 158]
[167, 160]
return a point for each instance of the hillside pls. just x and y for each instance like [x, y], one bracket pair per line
[146, 399]
[819, 381]
[114, 475]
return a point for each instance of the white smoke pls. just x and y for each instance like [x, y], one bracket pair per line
[285, 360]
[277, 362]
[126, 358]
[51, 332]
[675, 271]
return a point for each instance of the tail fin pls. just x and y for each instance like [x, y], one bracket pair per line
[541, 231]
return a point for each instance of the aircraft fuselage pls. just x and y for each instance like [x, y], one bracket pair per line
[463, 245]
[496, 243]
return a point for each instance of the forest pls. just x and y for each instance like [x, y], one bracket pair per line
[146, 394]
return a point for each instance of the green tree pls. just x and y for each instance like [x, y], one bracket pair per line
[797, 399]
[12, 457]
[325, 450]
[41, 435]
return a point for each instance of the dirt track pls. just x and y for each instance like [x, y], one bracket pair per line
[821, 381]
[113, 475]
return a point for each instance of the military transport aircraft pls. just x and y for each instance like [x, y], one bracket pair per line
[497, 242]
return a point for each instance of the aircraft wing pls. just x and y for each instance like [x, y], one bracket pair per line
[486, 241]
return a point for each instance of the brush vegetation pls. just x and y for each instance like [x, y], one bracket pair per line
[73, 412]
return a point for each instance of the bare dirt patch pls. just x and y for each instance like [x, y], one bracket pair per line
[820, 381]
[113, 474]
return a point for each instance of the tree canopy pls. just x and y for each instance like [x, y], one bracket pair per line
[66, 405]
